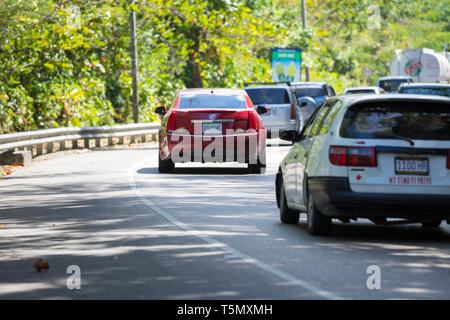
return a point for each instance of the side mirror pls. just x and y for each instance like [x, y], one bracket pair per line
[290, 135]
[303, 104]
[161, 110]
[262, 110]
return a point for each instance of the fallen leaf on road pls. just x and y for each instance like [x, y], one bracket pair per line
[41, 264]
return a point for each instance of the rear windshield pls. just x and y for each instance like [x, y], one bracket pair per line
[206, 101]
[360, 91]
[391, 120]
[310, 92]
[429, 91]
[269, 96]
[391, 85]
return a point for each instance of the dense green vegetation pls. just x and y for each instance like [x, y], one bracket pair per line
[67, 63]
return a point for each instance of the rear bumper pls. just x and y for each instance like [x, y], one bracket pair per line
[274, 131]
[333, 197]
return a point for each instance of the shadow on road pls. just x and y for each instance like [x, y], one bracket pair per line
[198, 171]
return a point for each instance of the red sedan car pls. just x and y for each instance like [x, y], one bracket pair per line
[212, 125]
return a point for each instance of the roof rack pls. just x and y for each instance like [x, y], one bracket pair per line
[246, 84]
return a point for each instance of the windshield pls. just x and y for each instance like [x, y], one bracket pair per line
[436, 91]
[199, 101]
[414, 120]
[391, 85]
[309, 92]
[268, 96]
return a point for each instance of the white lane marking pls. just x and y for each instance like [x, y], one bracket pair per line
[231, 251]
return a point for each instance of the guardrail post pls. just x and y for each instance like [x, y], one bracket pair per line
[50, 147]
[86, 143]
[39, 149]
[98, 142]
[74, 144]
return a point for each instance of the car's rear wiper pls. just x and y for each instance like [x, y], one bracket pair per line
[395, 136]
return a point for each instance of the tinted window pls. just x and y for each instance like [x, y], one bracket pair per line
[322, 113]
[391, 85]
[212, 101]
[359, 91]
[328, 122]
[430, 91]
[385, 120]
[269, 96]
[310, 92]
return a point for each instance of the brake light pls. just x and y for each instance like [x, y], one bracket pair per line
[353, 156]
[293, 112]
[448, 160]
[252, 120]
[171, 122]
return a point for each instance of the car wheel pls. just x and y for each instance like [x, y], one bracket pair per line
[317, 223]
[165, 166]
[286, 215]
[432, 224]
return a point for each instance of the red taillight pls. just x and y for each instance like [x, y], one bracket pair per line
[353, 156]
[293, 112]
[252, 120]
[448, 160]
[171, 122]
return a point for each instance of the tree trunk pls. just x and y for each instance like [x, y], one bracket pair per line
[194, 78]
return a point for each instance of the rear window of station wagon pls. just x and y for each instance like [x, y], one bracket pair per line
[392, 120]
[213, 101]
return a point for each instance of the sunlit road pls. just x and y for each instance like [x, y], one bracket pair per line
[204, 232]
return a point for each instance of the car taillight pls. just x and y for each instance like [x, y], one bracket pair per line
[171, 122]
[293, 112]
[353, 156]
[252, 120]
[448, 160]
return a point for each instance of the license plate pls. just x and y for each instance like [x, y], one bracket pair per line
[412, 166]
[212, 128]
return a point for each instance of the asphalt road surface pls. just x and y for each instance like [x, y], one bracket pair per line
[203, 232]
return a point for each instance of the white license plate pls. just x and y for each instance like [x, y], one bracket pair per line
[412, 166]
[212, 128]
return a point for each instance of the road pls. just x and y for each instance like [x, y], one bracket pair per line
[204, 232]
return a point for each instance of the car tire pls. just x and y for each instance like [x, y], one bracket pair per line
[431, 224]
[287, 215]
[165, 166]
[317, 224]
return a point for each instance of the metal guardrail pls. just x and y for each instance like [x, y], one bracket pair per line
[43, 141]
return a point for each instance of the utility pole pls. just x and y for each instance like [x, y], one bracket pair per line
[134, 63]
[304, 28]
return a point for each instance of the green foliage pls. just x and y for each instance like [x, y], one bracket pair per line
[67, 63]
